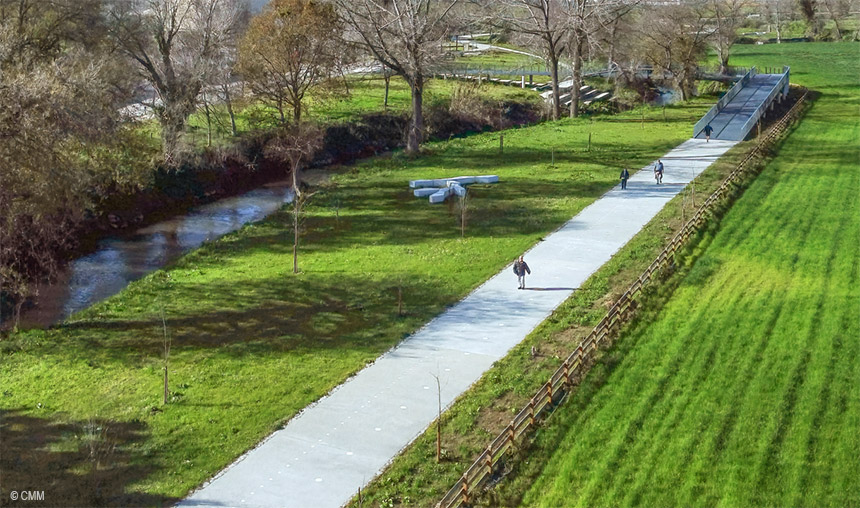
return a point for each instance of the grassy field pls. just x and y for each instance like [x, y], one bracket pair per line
[253, 344]
[743, 390]
[500, 60]
[366, 95]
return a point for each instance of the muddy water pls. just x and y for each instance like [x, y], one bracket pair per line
[119, 261]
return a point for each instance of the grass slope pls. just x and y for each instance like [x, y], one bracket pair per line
[254, 344]
[743, 390]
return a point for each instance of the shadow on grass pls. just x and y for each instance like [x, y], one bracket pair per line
[82, 463]
[280, 314]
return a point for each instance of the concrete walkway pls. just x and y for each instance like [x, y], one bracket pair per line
[332, 448]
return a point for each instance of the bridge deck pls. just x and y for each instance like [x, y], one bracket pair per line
[728, 124]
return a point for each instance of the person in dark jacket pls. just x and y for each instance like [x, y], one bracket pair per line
[625, 175]
[521, 268]
[708, 130]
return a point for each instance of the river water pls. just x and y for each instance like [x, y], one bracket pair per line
[118, 261]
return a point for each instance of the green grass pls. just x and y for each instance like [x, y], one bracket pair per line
[743, 389]
[500, 60]
[366, 95]
[414, 479]
[253, 344]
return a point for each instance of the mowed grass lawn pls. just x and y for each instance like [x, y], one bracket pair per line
[744, 389]
[253, 344]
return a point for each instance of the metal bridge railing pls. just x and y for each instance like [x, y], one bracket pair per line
[725, 99]
[780, 88]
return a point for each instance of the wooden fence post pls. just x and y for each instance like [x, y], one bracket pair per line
[531, 412]
[549, 393]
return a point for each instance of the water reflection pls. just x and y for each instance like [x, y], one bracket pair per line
[119, 261]
[666, 96]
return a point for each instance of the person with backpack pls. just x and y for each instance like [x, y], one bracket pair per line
[658, 171]
[625, 175]
[521, 268]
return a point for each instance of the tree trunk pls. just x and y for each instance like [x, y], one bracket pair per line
[576, 56]
[170, 130]
[553, 76]
[387, 78]
[297, 112]
[682, 87]
[173, 117]
[778, 26]
[296, 210]
[613, 34]
[166, 390]
[228, 100]
[416, 128]
[208, 121]
[836, 27]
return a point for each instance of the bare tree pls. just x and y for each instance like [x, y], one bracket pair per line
[406, 36]
[674, 39]
[728, 16]
[837, 10]
[289, 48]
[584, 19]
[777, 12]
[176, 46]
[223, 83]
[809, 9]
[58, 121]
[543, 24]
[296, 146]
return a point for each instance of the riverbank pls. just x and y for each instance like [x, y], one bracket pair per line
[352, 130]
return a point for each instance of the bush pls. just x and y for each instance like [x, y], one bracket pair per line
[469, 110]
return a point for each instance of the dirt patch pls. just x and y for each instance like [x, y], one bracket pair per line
[497, 416]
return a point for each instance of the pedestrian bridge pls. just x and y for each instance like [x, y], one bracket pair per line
[741, 109]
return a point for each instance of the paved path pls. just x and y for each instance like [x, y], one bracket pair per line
[332, 448]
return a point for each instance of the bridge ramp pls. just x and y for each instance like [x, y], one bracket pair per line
[731, 123]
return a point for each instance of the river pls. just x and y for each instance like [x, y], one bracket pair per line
[121, 260]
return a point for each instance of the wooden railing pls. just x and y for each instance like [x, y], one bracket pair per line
[576, 365]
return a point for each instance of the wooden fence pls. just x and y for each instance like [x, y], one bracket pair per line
[575, 366]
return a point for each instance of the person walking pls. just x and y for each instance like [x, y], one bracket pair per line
[658, 171]
[625, 175]
[708, 130]
[521, 268]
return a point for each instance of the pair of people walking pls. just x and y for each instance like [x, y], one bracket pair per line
[658, 174]
[521, 268]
